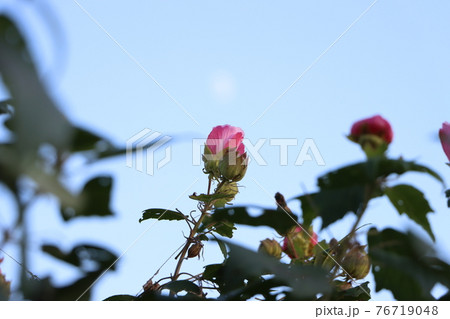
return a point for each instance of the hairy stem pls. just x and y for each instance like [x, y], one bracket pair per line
[192, 234]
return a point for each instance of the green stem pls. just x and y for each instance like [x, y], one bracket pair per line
[192, 234]
[359, 214]
[362, 208]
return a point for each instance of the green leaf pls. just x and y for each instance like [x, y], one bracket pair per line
[358, 293]
[34, 109]
[208, 198]
[346, 189]
[182, 285]
[161, 214]
[223, 247]
[306, 281]
[85, 140]
[223, 227]
[94, 199]
[332, 204]
[410, 201]
[43, 290]
[210, 272]
[279, 220]
[84, 256]
[405, 265]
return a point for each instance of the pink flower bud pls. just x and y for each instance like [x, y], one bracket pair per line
[224, 156]
[375, 125]
[225, 136]
[374, 134]
[444, 135]
[299, 244]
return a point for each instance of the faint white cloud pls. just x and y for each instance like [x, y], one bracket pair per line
[223, 86]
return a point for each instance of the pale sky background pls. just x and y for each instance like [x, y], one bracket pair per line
[226, 62]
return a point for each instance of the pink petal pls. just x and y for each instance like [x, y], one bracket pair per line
[444, 135]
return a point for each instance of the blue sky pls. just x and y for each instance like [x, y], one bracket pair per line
[227, 62]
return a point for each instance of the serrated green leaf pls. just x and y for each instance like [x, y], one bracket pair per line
[161, 214]
[182, 285]
[410, 201]
[224, 228]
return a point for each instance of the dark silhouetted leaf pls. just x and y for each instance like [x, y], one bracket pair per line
[85, 140]
[121, 298]
[162, 214]
[332, 204]
[33, 107]
[223, 248]
[182, 285]
[405, 265]
[94, 199]
[87, 257]
[208, 198]
[279, 219]
[410, 201]
[358, 293]
[305, 281]
[43, 290]
[347, 189]
[210, 272]
[5, 107]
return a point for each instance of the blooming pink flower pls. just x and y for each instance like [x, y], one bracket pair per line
[375, 125]
[224, 156]
[226, 136]
[444, 135]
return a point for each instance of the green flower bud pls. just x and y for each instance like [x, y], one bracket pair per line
[233, 166]
[270, 247]
[211, 162]
[230, 189]
[356, 262]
